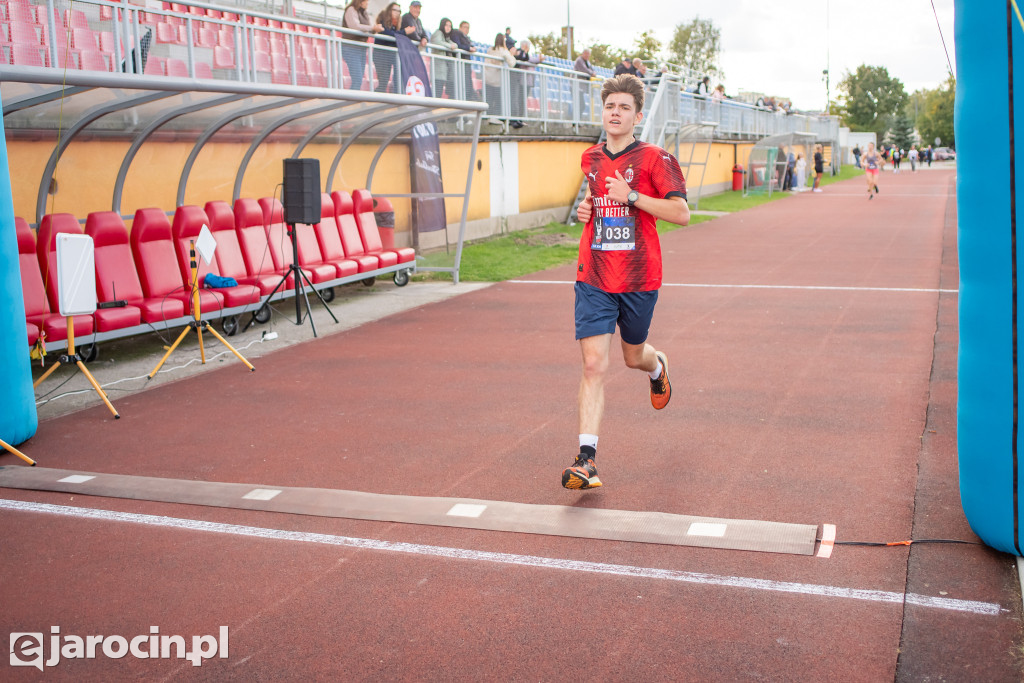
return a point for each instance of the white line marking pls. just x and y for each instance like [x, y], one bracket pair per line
[466, 510]
[76, 479]
[706, 529]
[798, 287]
[261, 494]
[970, 606]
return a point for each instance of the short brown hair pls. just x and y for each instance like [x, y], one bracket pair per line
[627, 83]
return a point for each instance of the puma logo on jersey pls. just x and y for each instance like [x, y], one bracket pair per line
[593, 176]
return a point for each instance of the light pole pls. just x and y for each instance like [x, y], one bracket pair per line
[828, 94]
[568, 31]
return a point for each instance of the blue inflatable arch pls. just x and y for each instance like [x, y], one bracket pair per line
[990, 176]
[18, 418]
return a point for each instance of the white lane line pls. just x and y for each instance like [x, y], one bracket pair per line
[970, 606]
[797, 287]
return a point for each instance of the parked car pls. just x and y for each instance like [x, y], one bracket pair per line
[944, 154]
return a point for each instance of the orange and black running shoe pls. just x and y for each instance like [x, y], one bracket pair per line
[582, 474]
[661, 388]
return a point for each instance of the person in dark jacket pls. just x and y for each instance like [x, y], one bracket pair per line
[466, 48]
[390, 19]
[412, 27]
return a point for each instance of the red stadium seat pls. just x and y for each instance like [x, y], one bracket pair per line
[223, 58]
[349, 233]
[188, 222]
[177, 68]
[281, 244]
[94, 60]
[367, 222]
[37, 306]
[153, 249]
[116, 275]
[329, 239]
[230, 261]
[252, 236]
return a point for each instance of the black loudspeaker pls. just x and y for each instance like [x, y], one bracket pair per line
[301, 191]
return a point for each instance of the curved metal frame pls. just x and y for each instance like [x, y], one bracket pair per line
[353, 136]
[87, 117]
[268, 130]
[412, 123]
[212, 130]
[141, 138]
[316, 131]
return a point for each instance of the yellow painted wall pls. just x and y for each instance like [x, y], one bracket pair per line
[549, 174]
[454, 164]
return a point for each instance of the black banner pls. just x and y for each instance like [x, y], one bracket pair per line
[424, 151]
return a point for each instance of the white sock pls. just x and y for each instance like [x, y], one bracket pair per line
[588, 440]
[657, 371]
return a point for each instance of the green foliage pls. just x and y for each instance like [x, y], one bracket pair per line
[870, 97]
[935, 118]
[602, 54]
[549, 44]
[648, 47]
[697, 45]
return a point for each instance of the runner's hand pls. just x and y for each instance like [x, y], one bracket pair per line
[585, 210]
[617, 189]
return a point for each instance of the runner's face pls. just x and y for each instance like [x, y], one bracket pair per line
[619, 114]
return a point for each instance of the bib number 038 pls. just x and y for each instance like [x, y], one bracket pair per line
[614, 233]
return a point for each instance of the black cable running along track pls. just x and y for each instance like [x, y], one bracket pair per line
[1013, 270]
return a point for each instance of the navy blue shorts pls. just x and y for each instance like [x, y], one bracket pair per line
[597, 312]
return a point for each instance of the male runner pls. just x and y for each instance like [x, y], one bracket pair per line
[631, 185]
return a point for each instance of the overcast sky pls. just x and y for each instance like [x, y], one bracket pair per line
[779, 47]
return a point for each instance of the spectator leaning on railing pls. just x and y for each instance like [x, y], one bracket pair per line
[384, 60]
[625, 67]
[521, 85]
[357, 19]
[444, 69]
[466, 47]
[492, 73]
[412, 27]
[583, 65]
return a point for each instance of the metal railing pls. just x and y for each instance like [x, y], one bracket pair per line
[239, 44]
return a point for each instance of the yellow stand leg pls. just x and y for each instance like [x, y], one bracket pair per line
[197, 323]
[72, 358]
[8, 447]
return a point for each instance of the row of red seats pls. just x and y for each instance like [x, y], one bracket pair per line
[149, 268]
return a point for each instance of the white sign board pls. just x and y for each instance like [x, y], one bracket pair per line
[206, 244]
[76, 275]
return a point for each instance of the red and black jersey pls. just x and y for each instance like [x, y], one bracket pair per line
[619, 249]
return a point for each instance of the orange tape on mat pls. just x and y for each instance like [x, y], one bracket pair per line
[828, 540]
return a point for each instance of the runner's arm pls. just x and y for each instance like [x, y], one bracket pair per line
[673, 209]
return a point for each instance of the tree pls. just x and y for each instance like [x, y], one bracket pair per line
[697, 45]
[647, 46]
[937, 119]
[550, 44]
[870, 97]
[901, 132]
[602, 54]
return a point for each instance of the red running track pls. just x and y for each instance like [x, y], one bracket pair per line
[812, 344]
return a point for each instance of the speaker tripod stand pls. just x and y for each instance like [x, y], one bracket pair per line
[197, 323]
[295, 271]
